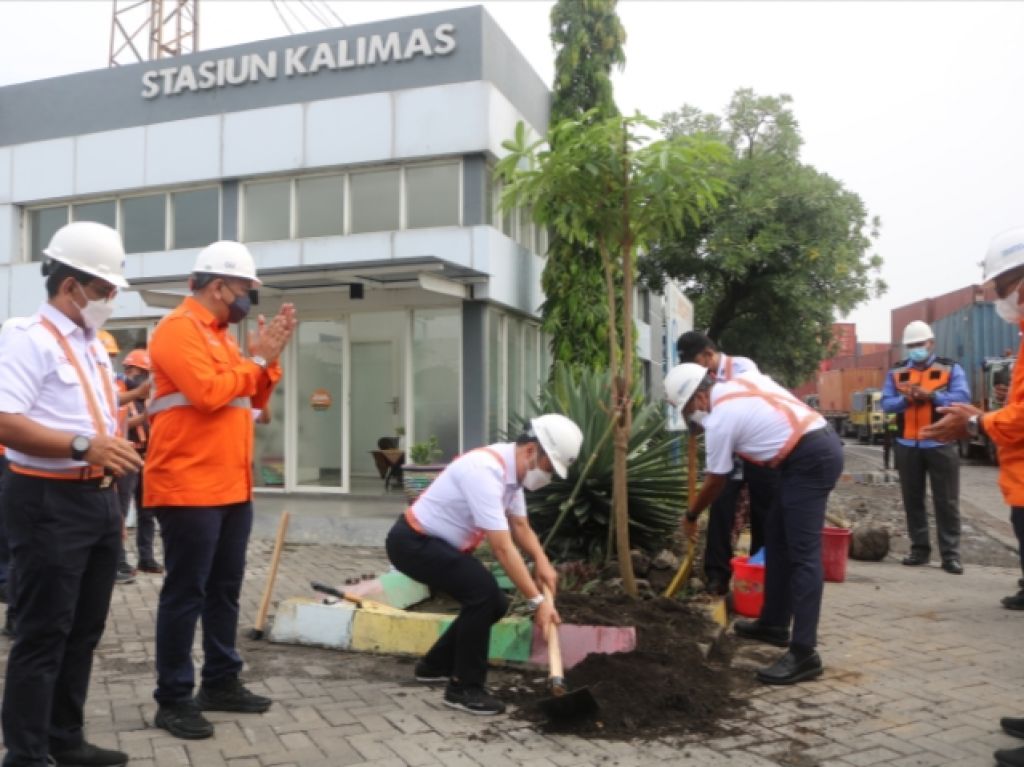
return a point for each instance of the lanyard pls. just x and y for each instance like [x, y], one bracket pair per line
[90, 393]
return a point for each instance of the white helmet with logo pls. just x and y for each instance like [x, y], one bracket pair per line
[89, 247]
[682, 381]
[561, 439]
[227, 258]
[917, 331]
[1005, 253]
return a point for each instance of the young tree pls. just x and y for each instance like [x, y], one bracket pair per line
[588, 39]
[598, 182]
[783, 253]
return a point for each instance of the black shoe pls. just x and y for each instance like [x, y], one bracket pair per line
[8, 629]
[1020, 583]
[425, 673]
[151, 566]
[775, 635]
[125, 575]
[953, 566]
[915, 559]
[474, 699]
[88, 755]
[1009, 757]
[183, 720]
[3, 593]
[789, 670]
[1016, 602]
[231, 695]
[1011, 726]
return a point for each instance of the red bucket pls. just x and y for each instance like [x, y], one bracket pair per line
[747, 587]
[835, 549]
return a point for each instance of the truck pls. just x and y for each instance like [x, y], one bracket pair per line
[835, 394]
[867, 421]
[984, 345]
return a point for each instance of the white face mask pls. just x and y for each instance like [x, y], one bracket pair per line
[95, 313]
[697, 418]
[1008, 309]
[536, 478]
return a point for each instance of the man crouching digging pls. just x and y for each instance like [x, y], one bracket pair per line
[758, 420]
[480, 496]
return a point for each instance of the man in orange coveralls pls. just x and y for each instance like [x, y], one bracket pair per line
[199, 480]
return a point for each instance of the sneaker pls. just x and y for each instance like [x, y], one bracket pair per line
[151, 566]
[88, 755]
[231, 695]
[425, 673]
[1016, 602]
[183, 720]
[125, 575]
[472, 698]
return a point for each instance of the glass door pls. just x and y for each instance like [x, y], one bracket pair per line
[319, 404]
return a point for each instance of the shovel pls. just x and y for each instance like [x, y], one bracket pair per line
[683, 573]
[323, 588]
[563, 705]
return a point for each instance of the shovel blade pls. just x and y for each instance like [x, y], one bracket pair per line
[578, 704]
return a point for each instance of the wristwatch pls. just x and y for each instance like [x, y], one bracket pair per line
[535, 602]
[262, 362]
[80, 446]
[973, 426]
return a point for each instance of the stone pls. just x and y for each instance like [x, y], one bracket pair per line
[869, 543]
[641, 563]
[665, 560]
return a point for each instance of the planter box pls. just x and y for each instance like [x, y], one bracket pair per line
[416, 478]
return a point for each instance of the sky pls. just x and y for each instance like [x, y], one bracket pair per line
[918, 107]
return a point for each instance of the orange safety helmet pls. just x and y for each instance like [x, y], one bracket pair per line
[137, 358]
[109, 342]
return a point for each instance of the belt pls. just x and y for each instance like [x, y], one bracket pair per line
[90, 475]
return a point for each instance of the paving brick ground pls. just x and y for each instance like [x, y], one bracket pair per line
[921, 665]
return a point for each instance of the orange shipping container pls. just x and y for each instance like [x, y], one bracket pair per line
[836, 388]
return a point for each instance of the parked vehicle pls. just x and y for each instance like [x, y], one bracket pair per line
[835, 394]
[867, 421]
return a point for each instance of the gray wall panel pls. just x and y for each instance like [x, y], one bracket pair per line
[474, 374]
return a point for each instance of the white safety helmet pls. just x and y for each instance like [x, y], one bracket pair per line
[561, 439]
[227, 258]
[1005, 253]
[682, 382]
[917, 331]
[89, 247]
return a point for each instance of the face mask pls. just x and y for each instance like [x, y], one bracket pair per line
[697, 418]
[95, 313]
[1008, 309]
[239, 308]
[919, 354]
[536, 478]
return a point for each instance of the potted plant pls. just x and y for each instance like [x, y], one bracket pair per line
[423, 467]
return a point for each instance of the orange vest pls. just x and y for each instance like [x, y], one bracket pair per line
[201, 432]
[932, 378]
[1005, 427]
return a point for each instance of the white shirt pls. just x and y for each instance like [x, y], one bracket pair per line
[38, 381]
[472, 495]
[750, 426]
[740, 365]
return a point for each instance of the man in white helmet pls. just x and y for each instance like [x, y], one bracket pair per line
[58, 419]
[1003, 271]
[755, 418]
[198, 480]
[479, 496]
[913, 391]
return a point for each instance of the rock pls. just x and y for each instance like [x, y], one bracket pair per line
[665, 560]
[609, 571]
[641, 563]
[868, 543]
[643, 586]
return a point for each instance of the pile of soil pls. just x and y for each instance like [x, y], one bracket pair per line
[666, 686]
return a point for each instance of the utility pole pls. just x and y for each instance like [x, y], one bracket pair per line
[147, 30]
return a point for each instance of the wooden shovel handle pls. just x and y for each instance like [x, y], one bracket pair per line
[555, 670]
[275, 559]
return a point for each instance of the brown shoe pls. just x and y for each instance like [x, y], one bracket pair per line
[151, 566]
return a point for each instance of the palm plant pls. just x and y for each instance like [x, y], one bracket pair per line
[573, 517]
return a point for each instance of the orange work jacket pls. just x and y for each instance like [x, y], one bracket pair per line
[201, 433]
[1005, 427]
[932, 378]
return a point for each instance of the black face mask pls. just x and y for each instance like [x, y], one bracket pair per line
[135, 383]
[239, 309]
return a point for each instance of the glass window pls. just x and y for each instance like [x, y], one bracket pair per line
[101, 212]
[515, 375]
[144, 223]
[43, 224]
[196, 218]
[542, 240]
[437, 344]
[495, 377]
[374, 201]
[432, 196]
[268, 441]
[128, 339]
[320, 404]
[531, 374]
[320, 206]
[268, 209]
[525, 234]
[508, 222]
[489, 192]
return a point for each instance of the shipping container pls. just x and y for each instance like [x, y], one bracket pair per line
[843, 363]
[904, 315]
[870, 348]
[844, 336]
[954, 301]
[971, 334]
[836, 388]
[874, 360]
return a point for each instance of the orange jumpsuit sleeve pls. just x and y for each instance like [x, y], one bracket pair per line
[186, 359]
[266, 385]
[1005, 426]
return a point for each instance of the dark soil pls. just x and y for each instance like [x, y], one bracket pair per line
[666, 686]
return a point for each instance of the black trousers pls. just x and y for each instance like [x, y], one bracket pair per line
[1017, 520]
[461, 651]
[794, 576]
[761, 485]
[64, 539]
[204, 553]
[941, 467]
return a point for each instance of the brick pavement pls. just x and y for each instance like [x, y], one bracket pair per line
[920, 666]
